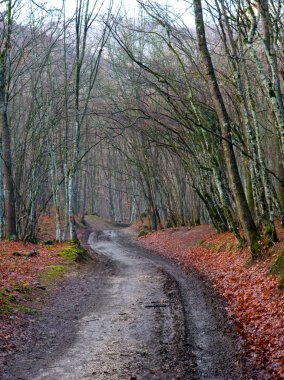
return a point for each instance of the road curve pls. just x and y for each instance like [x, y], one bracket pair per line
[141, 317]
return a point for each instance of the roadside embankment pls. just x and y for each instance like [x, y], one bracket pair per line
[252, 293]
[30, 273]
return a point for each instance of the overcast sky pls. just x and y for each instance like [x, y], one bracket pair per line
[131, 7]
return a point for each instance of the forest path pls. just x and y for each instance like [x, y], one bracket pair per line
[134, 315]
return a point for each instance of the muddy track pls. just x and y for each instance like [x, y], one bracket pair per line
[130, 315]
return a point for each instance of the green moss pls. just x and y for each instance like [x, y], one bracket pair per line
[255, 250]
[145, 230]
[143, 233]
[48, 242]
[22, 288]
[33, 240]
[74, 253]
[278, 265]
[278, 269]
[27, 297]
[7, 304]
[11, 297]
[7, 298]
[56, 268]
[27, 310]
[269, 235]
[52, 273]
[69, 253]
[6, 308]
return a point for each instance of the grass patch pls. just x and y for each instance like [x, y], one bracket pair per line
[52, 273]
[11, 297]
[7, 308]
[277, 268]
[7, 303]
[7, 298]
[22, 288]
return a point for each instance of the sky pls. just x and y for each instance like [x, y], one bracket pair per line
[131, 7]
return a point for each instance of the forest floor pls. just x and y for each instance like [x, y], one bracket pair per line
[29, 275]
[254, 300]
[127, 314]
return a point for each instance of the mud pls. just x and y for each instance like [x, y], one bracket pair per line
[129, 315]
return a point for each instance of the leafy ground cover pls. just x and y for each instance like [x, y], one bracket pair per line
[253, 296]
[21, 267]
[27, 274]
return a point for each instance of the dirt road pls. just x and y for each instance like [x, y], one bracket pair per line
[133, 315]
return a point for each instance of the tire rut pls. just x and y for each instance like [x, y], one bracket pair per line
[134, 315]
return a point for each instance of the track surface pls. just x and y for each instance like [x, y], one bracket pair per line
[132, 315]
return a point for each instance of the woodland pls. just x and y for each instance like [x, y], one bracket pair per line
[168, 117]
[127, 116]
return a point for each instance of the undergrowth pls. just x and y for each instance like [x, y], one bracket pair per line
[73, 253]
[277, 268]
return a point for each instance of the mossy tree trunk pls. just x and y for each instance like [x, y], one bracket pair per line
[250, 229]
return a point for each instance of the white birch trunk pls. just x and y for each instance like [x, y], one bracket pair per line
[55, 191]
[72, 224]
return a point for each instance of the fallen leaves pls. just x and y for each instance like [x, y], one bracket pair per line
[20, 269]
[253, 297]
[19, 274]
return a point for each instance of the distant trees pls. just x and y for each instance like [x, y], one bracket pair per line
[86, 15]
[225, 138]
[48, 73]
[126, 117]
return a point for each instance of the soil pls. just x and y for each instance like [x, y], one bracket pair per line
[128, 314]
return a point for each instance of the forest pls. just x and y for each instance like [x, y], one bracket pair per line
[142, 189]
[125, 117]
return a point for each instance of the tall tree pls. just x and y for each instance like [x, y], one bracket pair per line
[245, 216]
[5, 47]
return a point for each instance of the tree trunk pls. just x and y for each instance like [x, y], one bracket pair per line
[72, 223]
[10, 209]
[245, 216]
